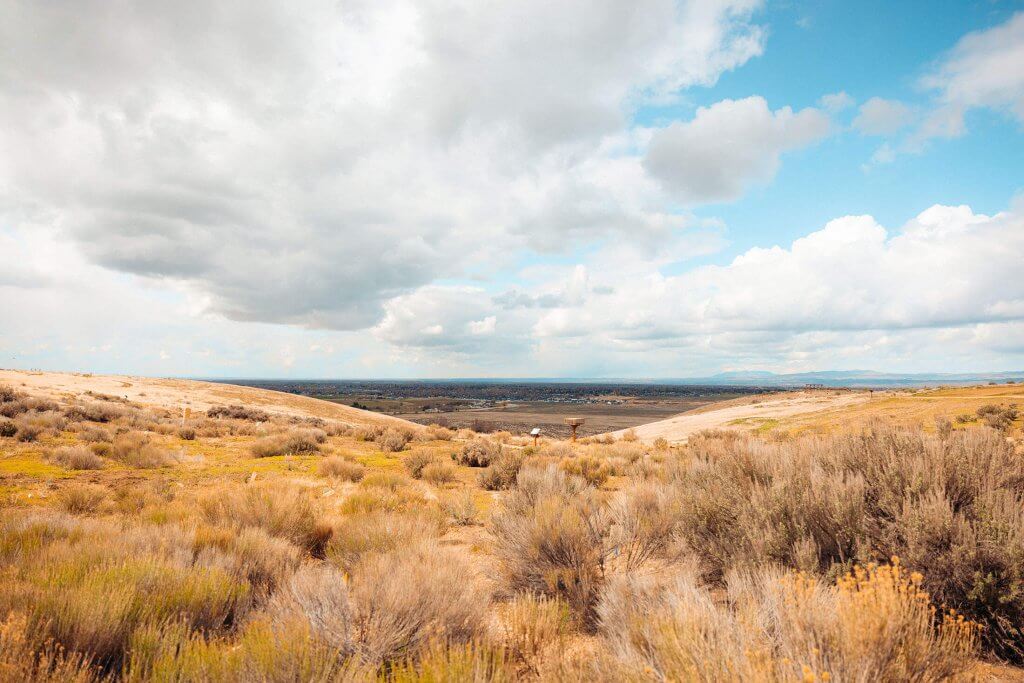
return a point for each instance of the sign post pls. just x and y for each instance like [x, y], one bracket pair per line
[574, 424]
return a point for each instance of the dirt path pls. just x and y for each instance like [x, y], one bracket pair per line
[186, 393]
[678, 428]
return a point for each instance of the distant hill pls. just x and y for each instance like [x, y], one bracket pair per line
[854, 378]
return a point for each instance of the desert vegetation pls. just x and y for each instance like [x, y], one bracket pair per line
[139, 544]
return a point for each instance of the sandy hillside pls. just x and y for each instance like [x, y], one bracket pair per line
[829, 411]
[747, 413]
[183, 393]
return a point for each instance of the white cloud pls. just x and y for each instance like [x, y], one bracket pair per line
[304, 163]
[834, 103]
[729, 146]
[485, 326]
[879, 116]
[944, 285]
[984, 69]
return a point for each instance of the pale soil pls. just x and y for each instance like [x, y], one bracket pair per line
[747, 413]
[184, 393]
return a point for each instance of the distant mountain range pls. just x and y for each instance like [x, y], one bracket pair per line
[853, 378]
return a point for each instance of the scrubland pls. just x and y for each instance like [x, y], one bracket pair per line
[241, 543]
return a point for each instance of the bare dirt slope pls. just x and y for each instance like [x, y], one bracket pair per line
[747, 413]
[184, 393]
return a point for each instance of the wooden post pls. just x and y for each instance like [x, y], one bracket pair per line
[574, 424]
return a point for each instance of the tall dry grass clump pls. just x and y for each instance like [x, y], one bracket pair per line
[393, 440]
[22, 660]
[408, 596]
[340, 468]
[76, 458]
[549, 538]
[875, 623]
[416, 461]
[81, 498]
[949, 504]
[86, 586]
[292, 442]
[358, 535]
[478, 453]
[136, 449]
[281, 509]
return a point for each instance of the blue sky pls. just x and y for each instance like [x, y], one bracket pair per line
[665, 188]
[869, 49]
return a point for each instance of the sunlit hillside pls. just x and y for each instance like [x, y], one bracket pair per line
[263, 537]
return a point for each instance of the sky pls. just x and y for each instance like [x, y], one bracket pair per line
[524, 188]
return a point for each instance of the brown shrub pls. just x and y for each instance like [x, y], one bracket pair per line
[549, 537]
[439, 473]
[415, 461]
[94, 434]
[408, 596]
[593, 470]
[477, 453]
[337, 467]
[76, 458]
[27, 431]
[318, 596]
[368, 433]
[503, 470]
[9, 394]
[292, 442]
[136, 450]
[235, 412]
[187, 433]
[281, 509]
[7, 428]
[460, 508]
[439, 433]
[81, 498]
[94, 412]
[393, 440]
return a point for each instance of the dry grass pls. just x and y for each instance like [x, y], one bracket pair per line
[439, 433]
[439, 473]
[393, 440]
[412, 594]
[358, 535]
[281, 509]
[292, 442]
[416, 461]
[549, 537]
[731, 558]
[81, 498]
[76, 458]
[875, 623]
[478, 453]
[337, 467]
[136, 449]
[26, 661]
